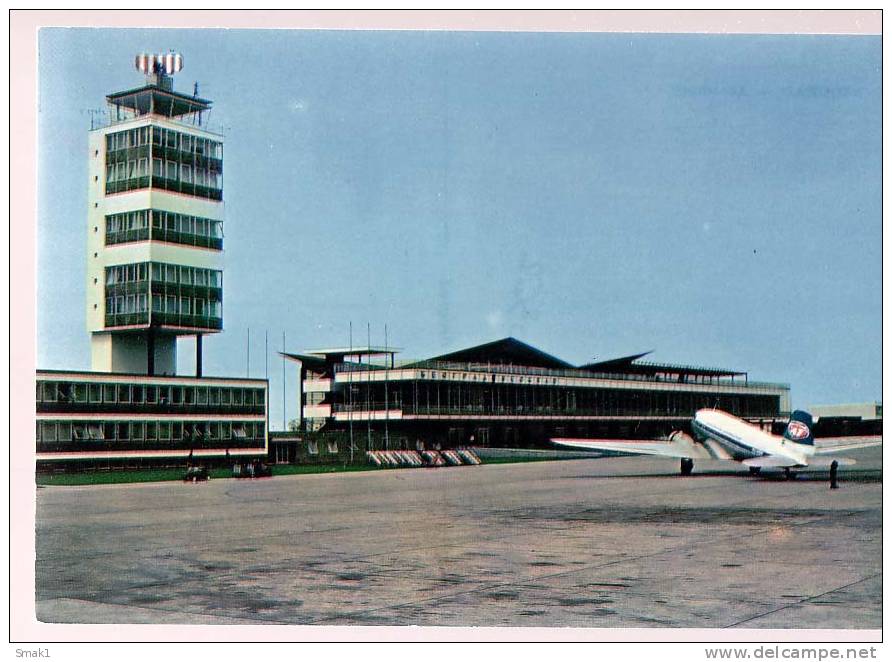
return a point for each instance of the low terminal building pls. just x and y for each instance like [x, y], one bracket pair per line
[507, 393]
[111, 420]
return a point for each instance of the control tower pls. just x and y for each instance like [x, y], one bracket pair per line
[154, 225]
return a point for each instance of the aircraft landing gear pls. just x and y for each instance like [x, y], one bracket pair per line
[789, 475]
[755, 471]
[687, 466]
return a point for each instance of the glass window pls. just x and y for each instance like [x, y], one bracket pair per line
[177, 395]
[123, 430]
[259, 396]
[64, 431]
[136, 394]
[95, 392]
[79, 392]
[164, 431]
[176, 430]
[171, 171]
[123, 392]
[49, 431]
[214, 396]
[237, 396]
[157, 166]
[49, 391]
[151, 430]
[225, 396]
[185, 306]
[137, 431]
[108, 392]
[189, 395]
[186, 172]
[151, 394]
[170, 138]
[313, 448]
[201, 396]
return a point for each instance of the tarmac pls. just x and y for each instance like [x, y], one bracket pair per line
[600, 543]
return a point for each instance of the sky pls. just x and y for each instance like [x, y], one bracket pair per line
[713, 198]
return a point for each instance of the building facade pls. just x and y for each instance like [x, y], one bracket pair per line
[154, 274]
[111, 419]
[507, 393]
[154, 225]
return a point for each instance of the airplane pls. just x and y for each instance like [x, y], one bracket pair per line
[719, 435]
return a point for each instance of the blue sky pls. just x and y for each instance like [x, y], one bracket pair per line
[714, 198]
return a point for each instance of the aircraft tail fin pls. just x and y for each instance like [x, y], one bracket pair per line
[799, 429]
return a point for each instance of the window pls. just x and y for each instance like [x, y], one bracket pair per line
[201, 396]
[49, 392]
[151, 430]
[151, 394]
[156, 167]
[49, 431]
[238, 431]
[164, 431]
[95, 393]
[186, 171]
[313, 448]
[333, 447]
[79, 392]
[177, 395]
[108, 393]
[123, 393]
[259, 396]
[171, 171]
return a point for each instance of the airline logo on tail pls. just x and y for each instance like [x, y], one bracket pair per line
[799, 428]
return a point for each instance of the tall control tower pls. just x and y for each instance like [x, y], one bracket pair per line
[154, 225]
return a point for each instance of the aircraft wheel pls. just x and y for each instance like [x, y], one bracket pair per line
[687, 466]
[755, 471]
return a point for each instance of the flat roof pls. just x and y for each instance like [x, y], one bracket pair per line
[98, 373]
[344, 351]
[150, 98]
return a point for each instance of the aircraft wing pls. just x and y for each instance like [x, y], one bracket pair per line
[827, 445]
[685, 448]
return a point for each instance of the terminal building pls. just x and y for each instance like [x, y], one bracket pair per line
[509, 394]
[154, 274]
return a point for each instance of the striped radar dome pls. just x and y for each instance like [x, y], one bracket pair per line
[167, 63]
